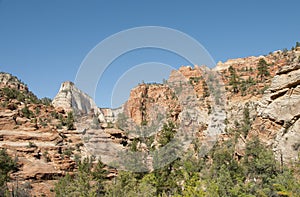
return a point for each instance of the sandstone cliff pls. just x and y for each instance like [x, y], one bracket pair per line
[233, 101]
[281, 107]
[35, 135]
[70, 98]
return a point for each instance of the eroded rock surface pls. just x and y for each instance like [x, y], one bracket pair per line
[70, 98]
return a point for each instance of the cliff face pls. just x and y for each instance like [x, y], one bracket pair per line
[272, 103]
[280, 106]
[235, 97]
[70, 98]
[148, 100]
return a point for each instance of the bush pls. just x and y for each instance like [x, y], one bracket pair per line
[46, 101]
[27, 112]
[31, 145]
[68, 152]
[37, 110]
[59, 126]
[55, 115]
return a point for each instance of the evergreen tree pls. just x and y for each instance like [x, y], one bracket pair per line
[234, 79]
[167, 133]
[6, 165]
[70, 121]
[246, 121]
[88, 181]
[263, 70]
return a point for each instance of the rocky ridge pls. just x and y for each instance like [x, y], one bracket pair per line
[37, 134]
[33, 134]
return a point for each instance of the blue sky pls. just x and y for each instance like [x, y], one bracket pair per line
[44, 42]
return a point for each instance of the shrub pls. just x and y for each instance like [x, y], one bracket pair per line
[46, 101]
[59, 126]
[43, 122]
[37, 110]
[27, 112]
[31, 145]
[68, 152]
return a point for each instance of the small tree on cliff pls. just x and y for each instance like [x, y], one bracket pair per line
[263, 70]
[70, 121]
[234, 80]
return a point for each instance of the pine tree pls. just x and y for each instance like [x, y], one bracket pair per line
[70, 121]
[263, 70]
[246, 121]
[234, 80]
[6, 165]
[83, 182]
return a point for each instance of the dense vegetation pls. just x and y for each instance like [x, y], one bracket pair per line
[88, 181]
[221, 173]
[23, 96]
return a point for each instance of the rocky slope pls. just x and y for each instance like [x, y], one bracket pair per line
[231, 101]
[34, 134]
[272, 103]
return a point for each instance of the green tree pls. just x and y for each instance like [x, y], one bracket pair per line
[167, 133]
[126, 184]
[285, 184]
[70, 121]
[88, 180]
[205, 89]
[7, 164]
[263, 70]
[165, 180]
[234, 79]
[246, 121]
[260, 162]
[46, 101]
